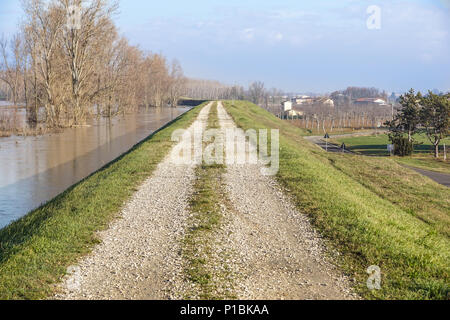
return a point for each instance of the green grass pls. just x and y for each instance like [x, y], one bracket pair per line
[372, 210]
[206, 219]
[36, 250]
[373, 145]
[425, 162]
[376, 145]
[198, 243]
[315, 132]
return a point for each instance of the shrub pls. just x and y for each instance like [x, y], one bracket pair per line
[402, 146]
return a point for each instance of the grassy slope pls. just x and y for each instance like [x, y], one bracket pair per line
[370, 219]
[36, 250]
[426, 163]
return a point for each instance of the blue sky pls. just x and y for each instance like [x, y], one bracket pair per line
[300, 46]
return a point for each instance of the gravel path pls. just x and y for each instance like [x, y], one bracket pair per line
[138, 257]
[268, 247]
[278, 253]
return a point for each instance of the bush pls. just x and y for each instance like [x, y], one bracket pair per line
[402, 146]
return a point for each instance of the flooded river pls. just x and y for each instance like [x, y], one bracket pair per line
[34, 170]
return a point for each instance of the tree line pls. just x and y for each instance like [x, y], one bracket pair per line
[351, 93]
[324, 118]
[65, 74]
[427, 114]
[345, 114]
[256, 92]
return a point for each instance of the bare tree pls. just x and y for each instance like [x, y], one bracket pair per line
[80, 47]
[11, 68]
[256, 92]
[44, 23]
[177, 83]
[74, 73]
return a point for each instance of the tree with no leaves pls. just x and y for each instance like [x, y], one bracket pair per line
[80, 47]
[11, 68]
[256, 92]
[177, 84]
[43, 24]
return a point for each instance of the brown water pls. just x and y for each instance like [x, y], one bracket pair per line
[33, 170]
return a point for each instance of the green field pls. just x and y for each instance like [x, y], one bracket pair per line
[376, 145]
[36, 250]
[372, 210]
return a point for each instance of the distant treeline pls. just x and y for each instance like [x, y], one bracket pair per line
[346, 97]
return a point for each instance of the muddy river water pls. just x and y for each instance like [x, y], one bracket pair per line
[34, 170]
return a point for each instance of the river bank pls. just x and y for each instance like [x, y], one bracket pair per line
[37, 249]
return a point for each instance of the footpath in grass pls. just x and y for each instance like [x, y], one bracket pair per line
[398, 223]
[36, 250]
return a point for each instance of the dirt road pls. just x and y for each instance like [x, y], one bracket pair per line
[276, 254]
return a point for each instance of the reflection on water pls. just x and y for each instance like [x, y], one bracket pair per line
[34, 170]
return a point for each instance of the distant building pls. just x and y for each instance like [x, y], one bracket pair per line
[295, 113]
[292, 114]
[288, 111]
[305, 100]
[365, 101]
[301, 101]
[286, 106]
[327, 101]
